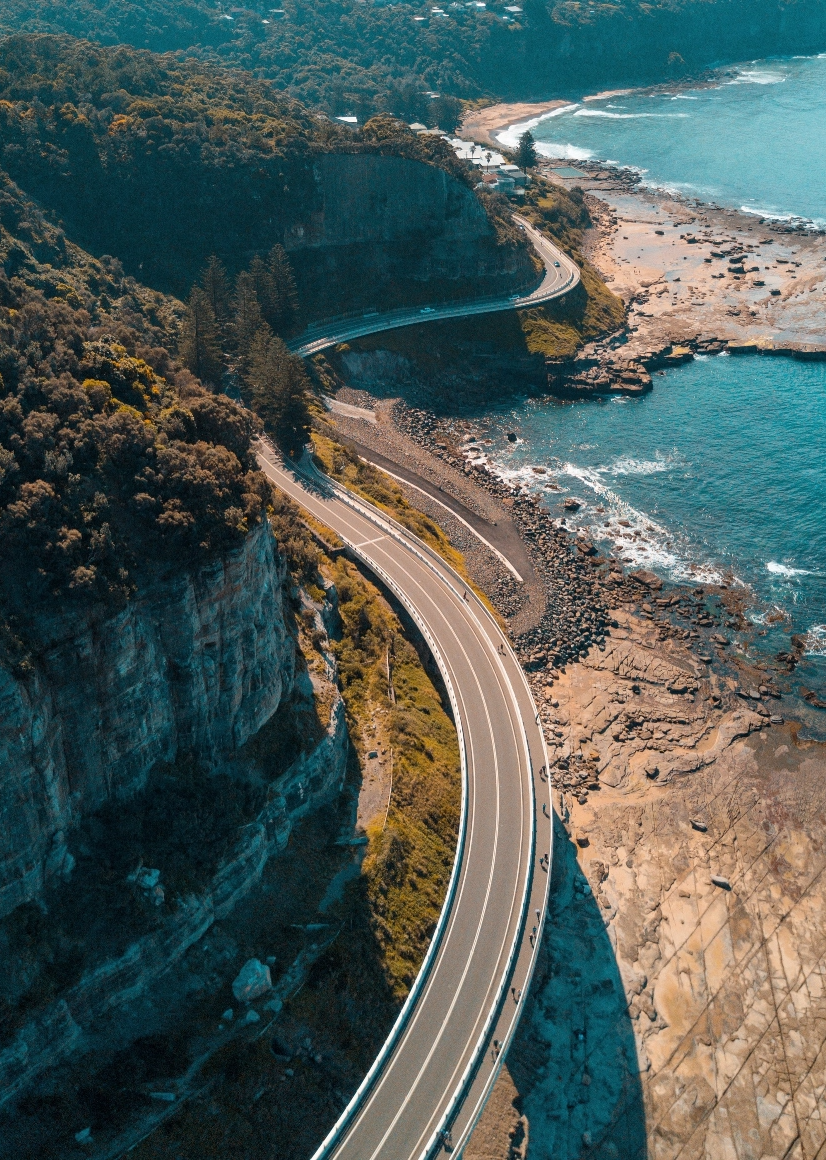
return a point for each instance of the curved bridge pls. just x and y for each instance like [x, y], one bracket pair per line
[561, 275]
[429, 1083]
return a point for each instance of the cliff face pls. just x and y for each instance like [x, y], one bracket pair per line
[253, 633]
[393, 229]
[194, 664]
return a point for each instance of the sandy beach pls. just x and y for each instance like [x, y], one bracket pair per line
[482, 124]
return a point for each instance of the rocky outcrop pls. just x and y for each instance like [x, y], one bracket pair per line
[194, 664]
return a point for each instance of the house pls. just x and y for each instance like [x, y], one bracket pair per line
[513, 171]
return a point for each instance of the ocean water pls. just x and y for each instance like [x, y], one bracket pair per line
[754, 140]
[719, 474]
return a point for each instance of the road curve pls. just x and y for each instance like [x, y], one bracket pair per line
[443, 1054]
[561, 275]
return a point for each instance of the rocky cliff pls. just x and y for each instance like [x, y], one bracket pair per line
[194, 664]
[192, 668]
[394, 229]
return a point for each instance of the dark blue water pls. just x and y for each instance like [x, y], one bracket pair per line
[756, 140]
[720, 473]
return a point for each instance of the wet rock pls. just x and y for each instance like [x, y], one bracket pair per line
[647, 579]
[252, 981]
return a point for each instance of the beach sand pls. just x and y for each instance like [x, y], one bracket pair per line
[481, 124]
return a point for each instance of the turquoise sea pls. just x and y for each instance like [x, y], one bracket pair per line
[755, 139]
[719, 475]
[721, 470]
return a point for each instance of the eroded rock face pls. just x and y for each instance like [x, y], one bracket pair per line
[148, 969]
[194, 664]
[679, 1008]
[390, 228]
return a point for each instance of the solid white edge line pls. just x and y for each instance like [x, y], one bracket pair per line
[386, 521]
[456, 516]
[403, 536]
[333, 1136]
[401, 318]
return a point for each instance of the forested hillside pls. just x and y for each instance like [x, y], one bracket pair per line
[162, 162]
[114, 460]
[361, 56]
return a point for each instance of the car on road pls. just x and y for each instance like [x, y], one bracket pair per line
[426, 310]
[556, 263]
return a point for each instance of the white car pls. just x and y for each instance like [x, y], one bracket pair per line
[426, 310]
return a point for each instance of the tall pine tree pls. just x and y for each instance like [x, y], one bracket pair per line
[526, 151]
[284, 303]
[247, 311]
[278, 386]
[215, 284]
[199, 348]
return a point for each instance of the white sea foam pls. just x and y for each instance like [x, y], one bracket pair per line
[559, 151]
[776, 216]
[510, 137]
[757, 77]
[628, 116]
[815, 645]
[653, 545]
[777, 569]
[772, 214]
[626, 465]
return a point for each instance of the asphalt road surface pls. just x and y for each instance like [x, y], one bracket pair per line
[561, 275]
[439, 1062]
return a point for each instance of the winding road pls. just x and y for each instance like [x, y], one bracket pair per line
[429, 1083]
[561, 275]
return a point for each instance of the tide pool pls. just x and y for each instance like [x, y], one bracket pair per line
[754, 140]
[719, 475]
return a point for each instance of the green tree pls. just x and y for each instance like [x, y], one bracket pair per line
[278, 386]
[526, 151]
[283, 305]
[247, 312]
[200, 349]
[215, 284]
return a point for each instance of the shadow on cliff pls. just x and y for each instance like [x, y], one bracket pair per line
[574, 1059]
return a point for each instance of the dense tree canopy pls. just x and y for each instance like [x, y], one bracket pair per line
[357, 57]
[104, 465]
[164, 162]
[114, 460]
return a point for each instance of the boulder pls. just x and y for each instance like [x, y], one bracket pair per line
[647, 579]
[252, 981]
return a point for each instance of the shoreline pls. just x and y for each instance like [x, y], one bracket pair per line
[496, 118]
[688, 863]
[695, 278]
[670, 757]
[480, 125]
